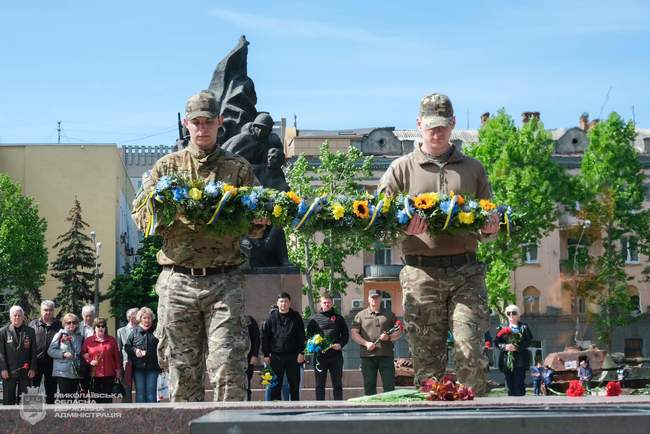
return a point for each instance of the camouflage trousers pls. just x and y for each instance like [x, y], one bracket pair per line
[437, 300]
[199, 316]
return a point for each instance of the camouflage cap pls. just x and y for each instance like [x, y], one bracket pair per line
[436, 111]
[202, 104]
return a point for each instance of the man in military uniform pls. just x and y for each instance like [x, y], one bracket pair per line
[18, 359]
[443, 284]
[369, 330]
[200, 288]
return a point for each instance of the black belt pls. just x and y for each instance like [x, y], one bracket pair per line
[441, 261]
[201, 272]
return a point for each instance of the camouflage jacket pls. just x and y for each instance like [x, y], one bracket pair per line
[184, 243]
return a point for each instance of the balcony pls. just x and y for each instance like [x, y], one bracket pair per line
[382, 272]
[569, 268]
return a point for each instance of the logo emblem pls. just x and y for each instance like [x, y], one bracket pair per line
[32, 406]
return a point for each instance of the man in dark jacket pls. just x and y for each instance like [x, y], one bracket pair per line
[17, 356]
[283, 343]
[254, 335]
[333, 328]
[45, 328]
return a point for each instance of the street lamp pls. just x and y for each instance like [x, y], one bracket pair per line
[586, 224]
[98, 248]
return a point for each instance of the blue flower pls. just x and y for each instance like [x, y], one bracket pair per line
[445, 204]
[250, 200]
[402, 217]
[163, 183]
[212, 189]
[302, 208]
[472, 204]
[179, 193]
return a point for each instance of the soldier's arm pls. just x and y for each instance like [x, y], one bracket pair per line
[390, 184]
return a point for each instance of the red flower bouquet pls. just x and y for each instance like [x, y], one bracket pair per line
[613, 388]
[575, 389]
[448, 389]
[511, 338]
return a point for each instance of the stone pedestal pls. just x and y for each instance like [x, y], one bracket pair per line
[263, 286]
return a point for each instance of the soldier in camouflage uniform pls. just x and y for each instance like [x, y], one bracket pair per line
[201, 296]
[443, 285]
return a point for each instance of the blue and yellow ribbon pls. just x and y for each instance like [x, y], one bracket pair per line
[309, 212]
[506, 219]
[406, 207]
[452, 204]
[374, 215]
[152, 217]
[224, 199]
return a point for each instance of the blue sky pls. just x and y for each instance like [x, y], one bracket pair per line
[117, 72]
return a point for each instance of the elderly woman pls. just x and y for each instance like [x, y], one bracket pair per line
[513, 340]
[102, 355]
[141, 346]
[65, 351]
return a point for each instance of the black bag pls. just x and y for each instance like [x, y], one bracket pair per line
[118, 389]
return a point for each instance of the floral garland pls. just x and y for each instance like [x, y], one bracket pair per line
[226, 209]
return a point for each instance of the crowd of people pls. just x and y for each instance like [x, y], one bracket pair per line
[77, 361]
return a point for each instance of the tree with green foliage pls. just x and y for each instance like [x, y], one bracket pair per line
[321, 256]
[612, 182]
[135, 288]
[76, 255]
[524, 176]
[23, 255]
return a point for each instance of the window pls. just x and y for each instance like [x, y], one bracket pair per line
[386, 301]
[531, 300]
[635, 300]
[382, 255]
[529, 253]
[578, 258]
[578, 305]
[630, 250]
[634, 347]
[338, 303]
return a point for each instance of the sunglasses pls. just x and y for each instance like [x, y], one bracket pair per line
[100, 326]
[512, 313]
[71, 322]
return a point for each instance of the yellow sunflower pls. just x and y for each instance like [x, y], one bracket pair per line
[277, 211]
[426, 200]
[338, 211]
[360, 209]
[388, 200]
[231, 188]
[486, 205]
[294, 197]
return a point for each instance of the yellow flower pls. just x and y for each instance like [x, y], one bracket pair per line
[277, 211]
[267, 376]
[338, 211]
[486, 205]
[195, 193]
[425, 200]
[388, 200]
[294, 197]
[466, 218]
[360, 209]
[318, 339]
[231, 188]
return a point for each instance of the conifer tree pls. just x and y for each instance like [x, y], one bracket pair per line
[74, 265]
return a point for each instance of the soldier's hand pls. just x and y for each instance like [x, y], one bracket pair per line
[416, 226]
[4, 374]
[511, 347]
[491, 225]
[370, 346]
[267, 360]
[31, 373]
[384, 336]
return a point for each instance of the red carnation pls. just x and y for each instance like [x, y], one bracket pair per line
[487, 344]
[427, 385]
[26, 366]
[400, 325]
[613, 388]
[504, 331]
[333, 318]
[575, 389]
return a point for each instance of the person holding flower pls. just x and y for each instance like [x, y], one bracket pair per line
[101, 353]
[141, 346]
[65, 349]
[513, 340]
[18, 359]
[332, 327]
[443, 282]
[370, 329]
[202, 321]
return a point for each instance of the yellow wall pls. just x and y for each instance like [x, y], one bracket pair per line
[53, 175]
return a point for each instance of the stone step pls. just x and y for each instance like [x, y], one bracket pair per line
[351, 378]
